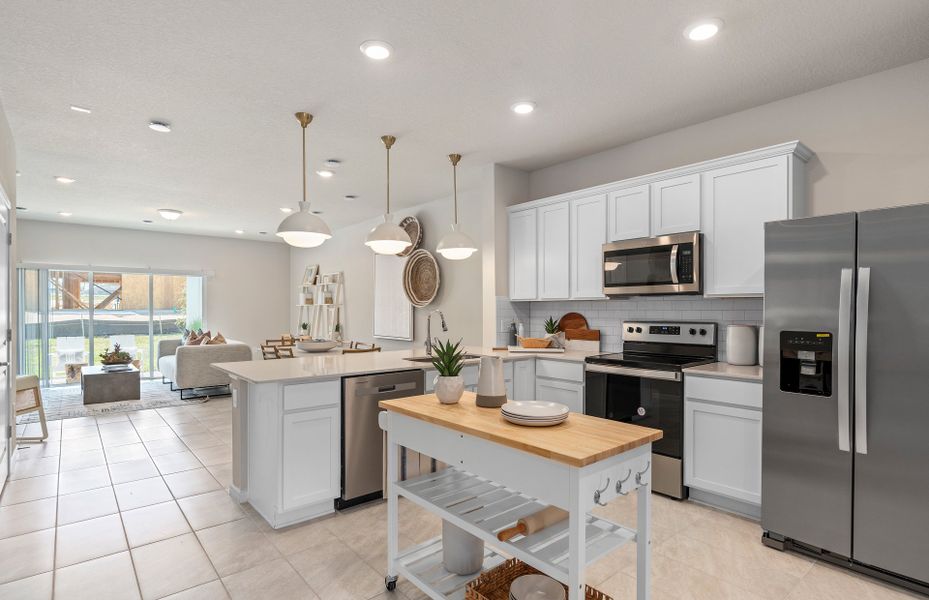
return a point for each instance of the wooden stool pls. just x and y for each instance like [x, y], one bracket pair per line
[354, 347]
[29, 399]
[269, 351]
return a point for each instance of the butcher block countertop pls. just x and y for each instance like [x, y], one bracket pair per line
[579, 441]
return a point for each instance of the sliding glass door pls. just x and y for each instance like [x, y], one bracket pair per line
[68, 317]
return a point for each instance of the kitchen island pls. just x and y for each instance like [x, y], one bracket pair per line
[286, 419]
[499, 472]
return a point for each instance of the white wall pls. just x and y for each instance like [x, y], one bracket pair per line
[870, 136]
[246, 292]
[460, 290]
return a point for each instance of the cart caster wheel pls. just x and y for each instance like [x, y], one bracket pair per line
[391, 583]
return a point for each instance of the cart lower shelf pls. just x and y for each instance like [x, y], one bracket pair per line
[483, 508]
[422, 565]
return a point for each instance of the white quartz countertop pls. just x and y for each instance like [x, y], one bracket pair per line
[721, 370]
[327, 365]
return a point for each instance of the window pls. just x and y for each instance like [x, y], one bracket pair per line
[68, 317]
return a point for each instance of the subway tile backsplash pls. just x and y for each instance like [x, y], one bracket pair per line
[608, 315]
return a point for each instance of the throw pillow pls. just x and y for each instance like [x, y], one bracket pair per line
[186, 335]
[205, 339]
[219, 339]
[194, 340]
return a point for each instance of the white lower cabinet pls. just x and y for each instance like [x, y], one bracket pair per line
[560, 381]
[523, 380]
[311, 456]
[469, 372]
[722, 437]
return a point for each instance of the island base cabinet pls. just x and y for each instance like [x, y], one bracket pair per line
[722, 445]
[294, 450]
[310, 450]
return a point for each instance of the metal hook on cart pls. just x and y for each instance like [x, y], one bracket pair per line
[619, 484]
[600, 491]
[638, 476]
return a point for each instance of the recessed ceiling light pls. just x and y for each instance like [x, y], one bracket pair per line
[63, 179]
[147, 221]
[80, 109]
[239, 231]
[523, 108]
[284, 209]
[21, 208]
[376, 50]
[333, 163]
[64, 213]
[160, 126]
[170, 214]
[326, 173]
[18, 174]
[262, 233]
[316, 212]
[703, 30]
[350, 197]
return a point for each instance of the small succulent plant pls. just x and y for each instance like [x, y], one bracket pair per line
[551, 327]
[447, 358]
[304, 326]
[117, 357]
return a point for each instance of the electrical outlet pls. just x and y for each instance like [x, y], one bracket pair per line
[505, 324]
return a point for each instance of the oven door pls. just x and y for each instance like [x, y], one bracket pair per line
[668, 264]
[641, 397]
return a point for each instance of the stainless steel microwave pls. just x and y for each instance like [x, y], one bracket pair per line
[668, 264]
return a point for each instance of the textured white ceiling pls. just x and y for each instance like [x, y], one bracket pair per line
[229, 76]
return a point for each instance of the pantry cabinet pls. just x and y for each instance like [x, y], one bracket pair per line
[588, 234]
[737, 202]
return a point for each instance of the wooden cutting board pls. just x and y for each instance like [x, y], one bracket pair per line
[582, 334]
[572, 320]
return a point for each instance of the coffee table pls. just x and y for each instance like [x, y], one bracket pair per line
[98, 385]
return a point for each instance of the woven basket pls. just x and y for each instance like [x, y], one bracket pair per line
[535, 342]
[495, 583]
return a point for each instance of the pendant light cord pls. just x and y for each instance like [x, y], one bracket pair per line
[388, 180]
[304, 163]
[455, 184]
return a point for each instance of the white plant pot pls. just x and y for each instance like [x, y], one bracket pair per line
[462, 553]
[449, 389]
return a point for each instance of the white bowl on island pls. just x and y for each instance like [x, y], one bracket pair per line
[316, 345]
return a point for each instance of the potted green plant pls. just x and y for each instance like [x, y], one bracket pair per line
[448, 358]
[552, 333]
[117, 357]
[304, 328]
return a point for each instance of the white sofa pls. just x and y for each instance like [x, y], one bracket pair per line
[188, 367]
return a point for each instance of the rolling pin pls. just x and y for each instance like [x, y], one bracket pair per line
[537, 521]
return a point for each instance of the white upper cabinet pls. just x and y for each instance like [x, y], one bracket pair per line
[676, 205]
[523, 250]
[737, 202]
[555, 243]
[588, 234]
[554, 246]
[629, 214]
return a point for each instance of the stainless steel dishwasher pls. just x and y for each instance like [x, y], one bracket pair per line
[362, 438]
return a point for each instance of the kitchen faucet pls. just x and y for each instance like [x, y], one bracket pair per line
[429, 330]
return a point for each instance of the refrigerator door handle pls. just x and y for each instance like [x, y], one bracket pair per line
[861, 359]
[845, 351]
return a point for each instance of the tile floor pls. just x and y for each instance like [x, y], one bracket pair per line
[135, 506]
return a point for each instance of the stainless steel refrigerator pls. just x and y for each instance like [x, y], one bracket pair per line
[845, 450]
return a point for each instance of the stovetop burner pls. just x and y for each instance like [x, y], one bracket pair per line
[663, 345]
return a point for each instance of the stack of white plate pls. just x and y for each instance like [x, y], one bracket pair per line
[536, 587]
[534, 413]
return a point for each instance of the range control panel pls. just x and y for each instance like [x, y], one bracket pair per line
[678, 333]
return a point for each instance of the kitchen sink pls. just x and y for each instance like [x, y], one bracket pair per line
[428, 359]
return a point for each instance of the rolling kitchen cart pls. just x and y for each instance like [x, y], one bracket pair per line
[498, 473]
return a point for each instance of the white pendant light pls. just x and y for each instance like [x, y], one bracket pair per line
[388, 237]
[303, 229]
[455, 245]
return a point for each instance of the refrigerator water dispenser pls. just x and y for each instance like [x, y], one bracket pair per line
[806, 362]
